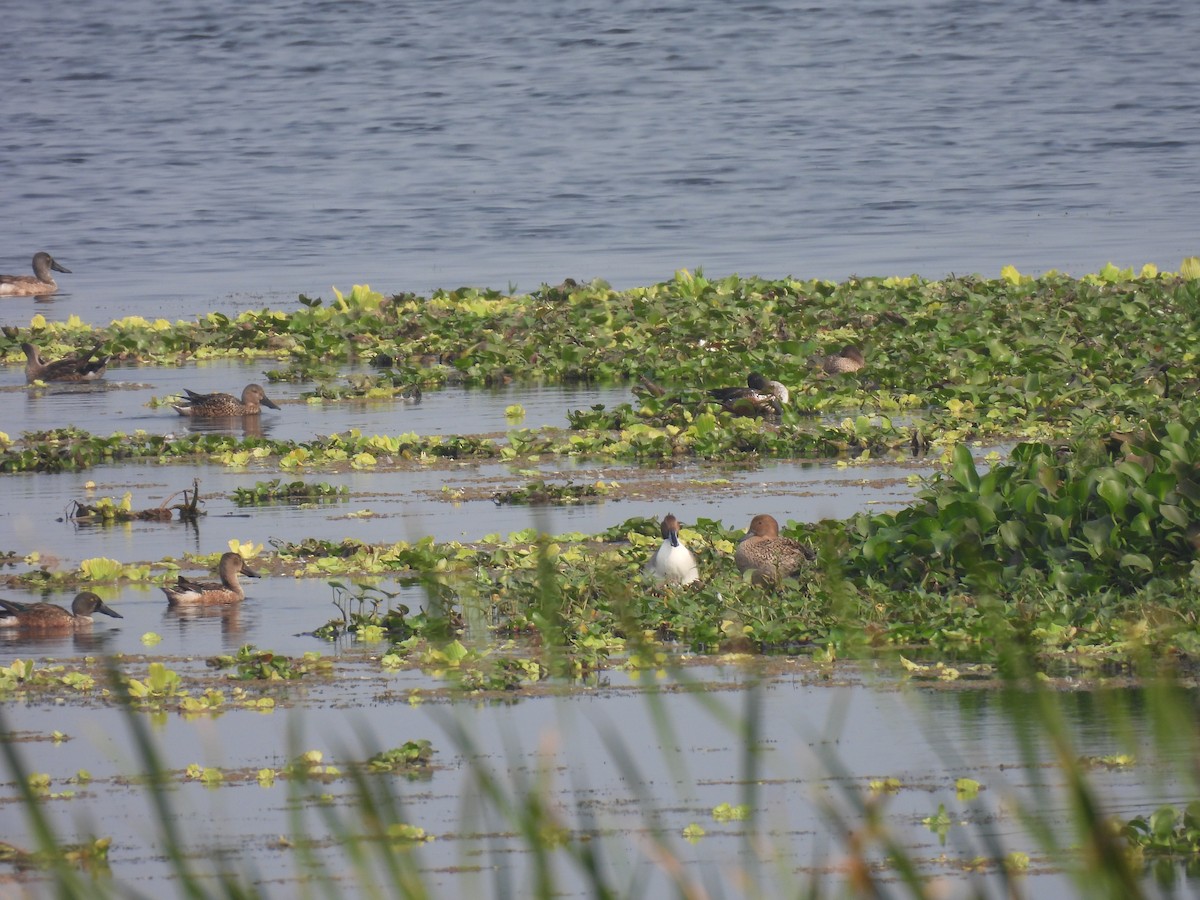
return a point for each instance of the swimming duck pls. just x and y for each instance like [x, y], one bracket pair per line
[848, 359]
[759, 397]
[40, 282]
[770, 557]
[228, 590]
[76, 367]
[672, 561]
[215, 406]
[48, 616]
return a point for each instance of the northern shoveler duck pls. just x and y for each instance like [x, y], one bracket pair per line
[48, 616]
[211, 593]
[759, 397]
[848, 359]
[76, 367]
[672, 561]
[217, 406]
[40, 282]
[770, 557]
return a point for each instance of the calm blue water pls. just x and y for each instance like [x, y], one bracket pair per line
[179, 159]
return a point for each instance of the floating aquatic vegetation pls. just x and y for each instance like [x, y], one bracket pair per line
[726, 812]
[91, 856]
[159, 685]
[1166, 831]
[277, 490]
[106, 510]
[252, 664]
[541, 493]
[410, 754]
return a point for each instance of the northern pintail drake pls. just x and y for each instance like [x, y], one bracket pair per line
[48, 616]
[76, 367]
[848, 359]
[211, 593]
[672, 562]
[759, 397]
[770, 557]
[40, 282]
[217, 406]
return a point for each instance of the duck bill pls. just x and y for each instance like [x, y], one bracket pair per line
[57, 267]
[250, 572]
[267, 401]
[108, 611]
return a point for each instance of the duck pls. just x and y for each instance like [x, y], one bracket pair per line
[848, 359]
[211, 593]
[40, 282]
[215, 406]
[768, 556]
[759, 397]
[672, 562]
[49, 616]
[76, 367]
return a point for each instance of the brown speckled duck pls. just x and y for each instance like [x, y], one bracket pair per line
[848, 359]
[76, 367]
[50, 617]
[211, 593]
[218, 406]
[40, 282]
[770, 557]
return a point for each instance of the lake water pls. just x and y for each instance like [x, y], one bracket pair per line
[180, 158]
[619, 763]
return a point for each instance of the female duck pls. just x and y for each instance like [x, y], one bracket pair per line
[210, 593]
[40, 282]
[768, 556]
[759, 397]
[672, 562]
[76, 367]
[49, 617]
[848, 359]
[219, 406]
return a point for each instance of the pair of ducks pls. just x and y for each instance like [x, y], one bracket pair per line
[80, 367]
[35, 285]
[185, 592]
[763, 552]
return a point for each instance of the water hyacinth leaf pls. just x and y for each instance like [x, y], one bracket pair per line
[1159, 484]
[967, 788]
[1137, 561]
[1162, 821]
[1098, 533]
[1174, 515]
[1013, 534]
[962, 468]
[1140, 525]
[1114, 494]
